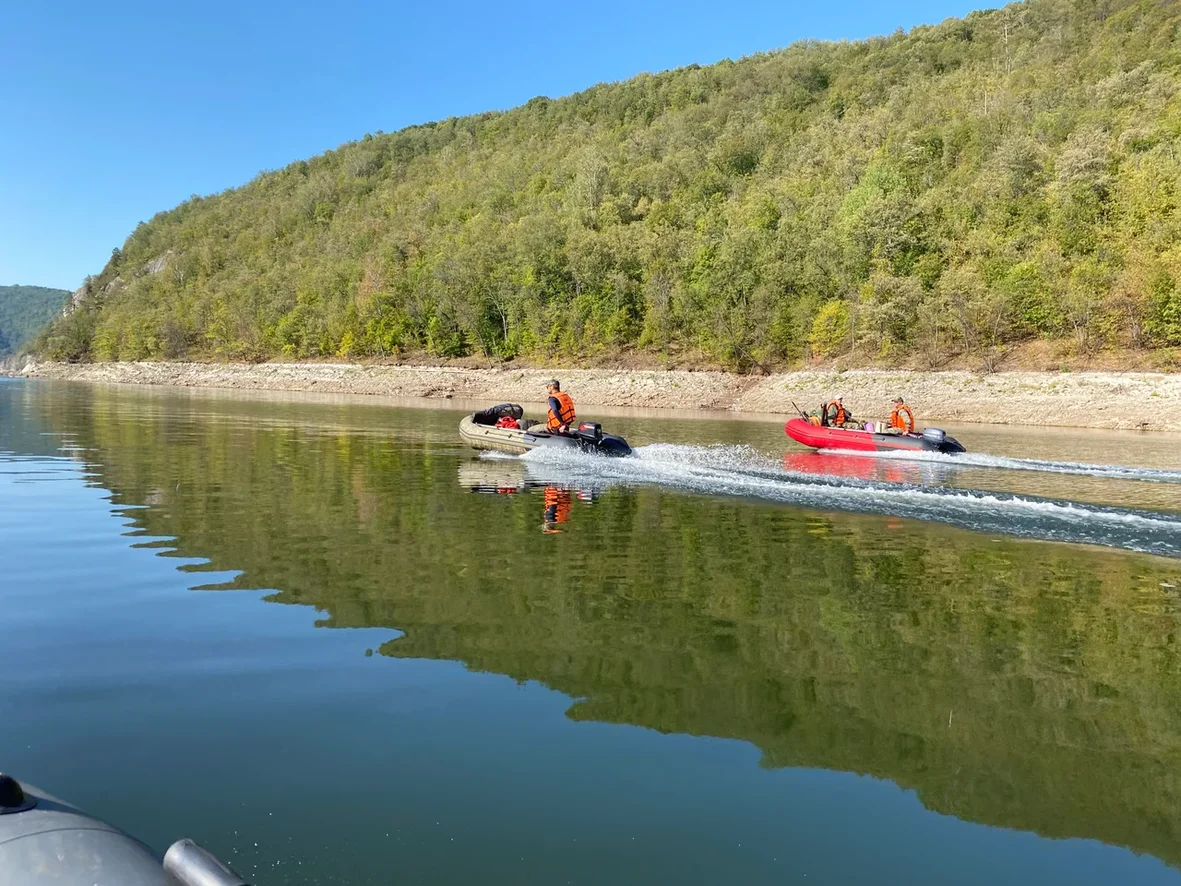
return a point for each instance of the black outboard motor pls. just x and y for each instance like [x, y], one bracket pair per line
[43, 840]
[590, 437]
[590, 430]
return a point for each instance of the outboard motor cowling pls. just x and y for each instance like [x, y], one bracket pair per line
[934, 435]
[936, 440]
[591, 430]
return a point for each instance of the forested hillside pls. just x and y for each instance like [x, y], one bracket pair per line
[1009, 177]
[25, 311]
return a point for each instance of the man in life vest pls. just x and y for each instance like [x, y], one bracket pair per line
[836, 413]
[561, 409]
[902, 418]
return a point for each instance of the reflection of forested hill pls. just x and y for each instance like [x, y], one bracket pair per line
[23, 430]
[1020, 684]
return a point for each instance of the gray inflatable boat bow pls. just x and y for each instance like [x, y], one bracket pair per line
[43, 840]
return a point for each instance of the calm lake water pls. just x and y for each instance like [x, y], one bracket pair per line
[333, 645]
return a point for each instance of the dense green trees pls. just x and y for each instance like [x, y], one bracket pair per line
[1006, 177]
[24, 311]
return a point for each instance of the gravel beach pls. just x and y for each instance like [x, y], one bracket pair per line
[1149, 401]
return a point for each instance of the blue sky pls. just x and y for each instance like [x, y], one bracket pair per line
[111, 112]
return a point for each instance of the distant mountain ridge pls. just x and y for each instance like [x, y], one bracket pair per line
[1004, 178]
[24, 312]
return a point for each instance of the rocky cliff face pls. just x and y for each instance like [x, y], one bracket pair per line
[75, 299]
[15, 365]
[155, 266]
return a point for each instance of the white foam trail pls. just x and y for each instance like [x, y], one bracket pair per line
[982, 460]
[494, 455]
[741, 471]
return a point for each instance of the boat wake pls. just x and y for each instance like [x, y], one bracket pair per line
[981, 460]
[743, 472]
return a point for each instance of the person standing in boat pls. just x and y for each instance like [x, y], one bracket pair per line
[561, 409]
[902, 419]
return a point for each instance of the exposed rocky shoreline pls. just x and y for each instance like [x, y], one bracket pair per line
[1149, 401]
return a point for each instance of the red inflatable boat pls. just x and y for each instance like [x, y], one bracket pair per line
[930, 440]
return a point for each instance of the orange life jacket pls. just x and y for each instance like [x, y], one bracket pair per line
[508, 422]
[557, 505]
[897, 421]
[565, 414]
[841, 415]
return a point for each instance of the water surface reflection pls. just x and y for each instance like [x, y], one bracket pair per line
[1023, 684]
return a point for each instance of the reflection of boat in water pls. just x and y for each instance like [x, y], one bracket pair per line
[860, 467]
[501, 475]
[479, 431]
[867, 467]
[818, 437]
[509, 477]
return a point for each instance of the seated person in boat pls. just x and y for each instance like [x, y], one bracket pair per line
[561, 409]
[901, 419]
[837, 416]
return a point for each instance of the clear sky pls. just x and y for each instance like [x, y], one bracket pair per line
[113, 111]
